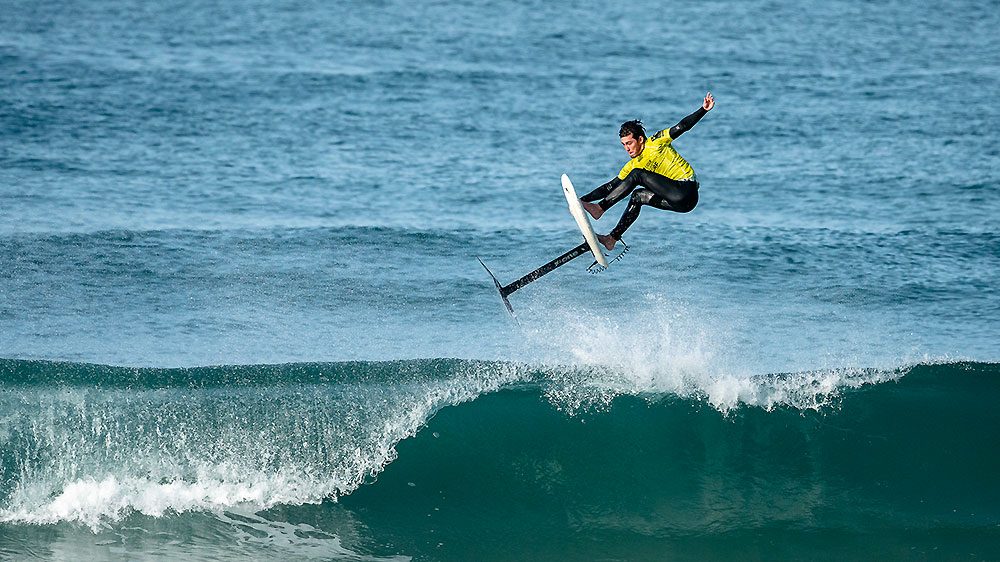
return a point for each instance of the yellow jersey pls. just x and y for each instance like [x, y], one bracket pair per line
[660, 157]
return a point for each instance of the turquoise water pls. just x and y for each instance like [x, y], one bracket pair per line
[476, 460]
[241, 315]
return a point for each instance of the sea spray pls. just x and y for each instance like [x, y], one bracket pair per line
[664, 348]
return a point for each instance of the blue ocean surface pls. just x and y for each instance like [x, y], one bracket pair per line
[242, 316]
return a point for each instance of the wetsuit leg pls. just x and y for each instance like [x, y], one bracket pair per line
[660, 192]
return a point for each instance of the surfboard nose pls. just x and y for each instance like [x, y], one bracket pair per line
[582, 220]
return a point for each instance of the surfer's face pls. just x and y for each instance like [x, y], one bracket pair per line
[633, 145]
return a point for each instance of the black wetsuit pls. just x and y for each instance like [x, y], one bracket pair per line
[666, 180]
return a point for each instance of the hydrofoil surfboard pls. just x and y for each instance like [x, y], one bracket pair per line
[590, 244]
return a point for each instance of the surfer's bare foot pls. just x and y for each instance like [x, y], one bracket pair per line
[607, 241]
[594, 209]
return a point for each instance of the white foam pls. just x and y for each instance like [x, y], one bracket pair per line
[94, 502]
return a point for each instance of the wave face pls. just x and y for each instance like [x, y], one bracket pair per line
[92, 444]
[455, 459]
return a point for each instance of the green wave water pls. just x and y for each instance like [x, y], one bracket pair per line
[456, 459]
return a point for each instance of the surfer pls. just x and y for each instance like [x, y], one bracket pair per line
[665, 180]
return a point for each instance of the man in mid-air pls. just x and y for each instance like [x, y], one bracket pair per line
[665, 180]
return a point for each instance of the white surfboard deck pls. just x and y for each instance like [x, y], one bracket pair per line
[582, 220]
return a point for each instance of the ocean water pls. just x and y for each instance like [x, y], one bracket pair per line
[242, 316]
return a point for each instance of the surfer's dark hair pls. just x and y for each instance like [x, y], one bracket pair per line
[634, 128]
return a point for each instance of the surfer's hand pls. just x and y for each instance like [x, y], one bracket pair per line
[709, 102]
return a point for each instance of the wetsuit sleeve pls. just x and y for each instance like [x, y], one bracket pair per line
[602, 191]
[686, 123]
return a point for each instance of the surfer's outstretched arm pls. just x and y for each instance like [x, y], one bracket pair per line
[685, 124]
